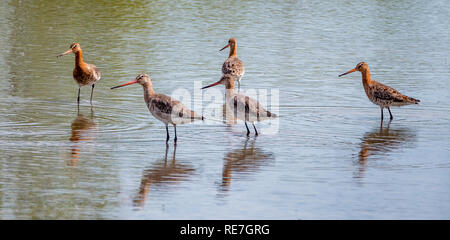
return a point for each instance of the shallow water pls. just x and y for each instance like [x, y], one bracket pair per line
[329, 159]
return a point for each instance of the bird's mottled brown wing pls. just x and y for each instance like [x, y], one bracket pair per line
[233, 66]
[172, 110]
[86, 75]
[385, 93]
[163, 104]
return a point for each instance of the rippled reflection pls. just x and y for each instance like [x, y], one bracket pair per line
[244, 160]
[162, 173]
[380, 141]
[83, 130]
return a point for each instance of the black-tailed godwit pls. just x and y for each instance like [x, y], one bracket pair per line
[243, 107]
[233, 65]
[84, 74]
[162, 107]
[380, 94]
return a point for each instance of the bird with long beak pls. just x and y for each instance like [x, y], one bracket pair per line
[162, 107]
[242, 107]
[233, 65]
[380, 94]
[84, 74]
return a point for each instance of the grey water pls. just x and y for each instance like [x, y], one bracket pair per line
[329, 159]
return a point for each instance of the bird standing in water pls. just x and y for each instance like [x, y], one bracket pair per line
[162, 107]
[380, 94]
[84, 74]
[243, 107]
[233, 65]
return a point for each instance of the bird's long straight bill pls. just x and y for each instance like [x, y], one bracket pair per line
[125, 84]
[65, 53]
[225, 47]
[354, 69]
[212, 85]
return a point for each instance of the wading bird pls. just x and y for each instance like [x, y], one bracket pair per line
[380, 94]
[243, 107]
[162, 107]
[233, 65]
[84, 74]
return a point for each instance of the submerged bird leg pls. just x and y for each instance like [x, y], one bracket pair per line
[174, 152]
[248, 131]
[175, 129]
[256, 132]
[92, 112]
[92, 92]
[389, 124]
[390, 113]
[78, 99]
[167, 131]
[165, 155]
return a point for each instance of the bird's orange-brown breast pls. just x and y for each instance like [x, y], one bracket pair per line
[86, 74]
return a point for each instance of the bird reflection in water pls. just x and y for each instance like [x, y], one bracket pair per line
[162, 173]
[243, 161]
[83, 130]
[380, 141]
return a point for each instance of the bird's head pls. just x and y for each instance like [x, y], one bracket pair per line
[74, 48]
[361, 67]
[231, 44]
[142, 79]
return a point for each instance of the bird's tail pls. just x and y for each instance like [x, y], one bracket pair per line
[413, 100]
[271, 115]
[197, 117]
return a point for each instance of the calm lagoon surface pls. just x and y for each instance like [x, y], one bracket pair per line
[329, 157]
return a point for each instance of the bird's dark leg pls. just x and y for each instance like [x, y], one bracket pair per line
[92, 92]
[256, 132]
[239, 85]
[175, 129]
[248, 131]
[390, 113]
[167, 131]
[382, 114]
[78, 99]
